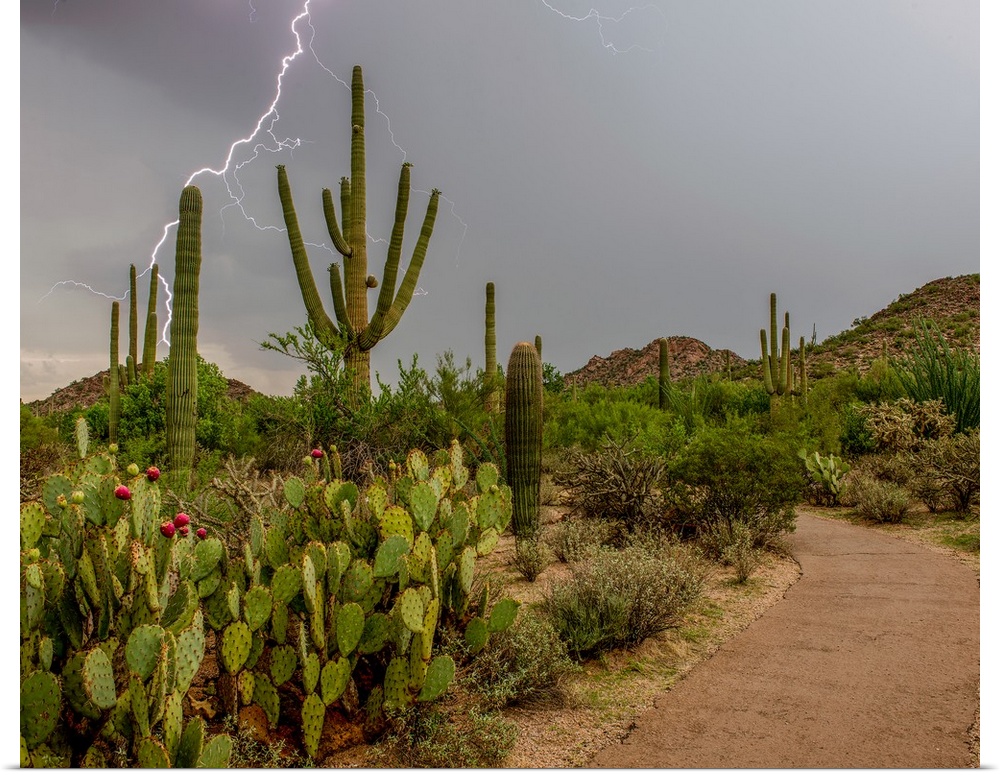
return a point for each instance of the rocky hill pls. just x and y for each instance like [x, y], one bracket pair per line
[689, 357]
[952, 303]
[86, 392]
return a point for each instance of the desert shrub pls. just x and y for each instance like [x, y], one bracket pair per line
[524, 664]
[733, 544]
[424, 736]
[877, 500]
[855, 436]
[600, 415]
[947, 469]
[619, 597]
[732, 474]
[573, 539]
[616, 482]
[531, 557]
[932, 370]
[905, 425]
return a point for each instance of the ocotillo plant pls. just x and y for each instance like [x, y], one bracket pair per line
[491, 348]
[664, 382]
[353, 331]
[182, 376]
[114, 395]
[523, 437]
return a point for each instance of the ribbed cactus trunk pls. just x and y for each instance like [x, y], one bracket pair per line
[492, 397]
[353, 331]
[151, 333]
[114, 395]
[182, 376]
[664, 382]
[523, 437]
[538, 345]
[133, 326]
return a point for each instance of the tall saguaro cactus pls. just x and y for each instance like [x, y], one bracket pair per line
[114, 395]
[151, 333]
[779, 377]
[523, 437]
[492, 398]
[664, 382]
[350, 291]
[133, 326]
[182, 375]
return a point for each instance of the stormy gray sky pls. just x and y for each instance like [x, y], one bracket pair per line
[620, 175]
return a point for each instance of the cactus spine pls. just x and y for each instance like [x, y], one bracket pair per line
[182, 377]
[114, 395]
[523, 437]
[664, 373]
[352, 329]
[492, 399]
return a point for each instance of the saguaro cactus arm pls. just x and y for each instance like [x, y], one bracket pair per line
[325, 327]
[330, 214]
[151, 333]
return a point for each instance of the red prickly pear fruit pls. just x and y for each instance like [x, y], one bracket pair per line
[317, 453]
[183, 530]
[201, 532]
[132, 470]
[167, 528]
[122, 492]
[181, 519]
[152, 473]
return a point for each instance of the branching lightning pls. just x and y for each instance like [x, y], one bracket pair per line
[230, 169]
[601, 20]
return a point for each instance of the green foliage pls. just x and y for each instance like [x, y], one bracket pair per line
[36, 431]
[618, 598]
[733, 474]
[523, 665]
[111, 631]
[946, 470]
[734, 544]
[617, 482]
[933, 370]
[431, 738]
[877, 500]
[905, 425]
[573, 539]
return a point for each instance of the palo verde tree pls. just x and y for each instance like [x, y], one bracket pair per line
[350, 292]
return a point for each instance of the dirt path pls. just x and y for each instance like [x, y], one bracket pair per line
[871, 661]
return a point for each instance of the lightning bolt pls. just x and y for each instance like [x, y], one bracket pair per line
[230, 169]
[601, 20]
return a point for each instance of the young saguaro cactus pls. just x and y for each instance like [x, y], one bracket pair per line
[150, 333]
[114, 394]
[182, 377]
[523, 436]
[664, 372]
[491, 346]
[353, 330]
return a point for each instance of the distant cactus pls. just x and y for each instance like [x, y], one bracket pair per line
[523, 436]
[664, 381]
[538, 345]
[133, 325]
[492, 398]
[779, 374]
[182, 377]
[353, 330]
[151, 332]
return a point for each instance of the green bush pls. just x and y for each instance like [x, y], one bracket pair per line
[573, 539]
[733, 474]
[949, 470]
[522, 665]
[426, 737]
[733, 544]
[877, 500]
[618, 598]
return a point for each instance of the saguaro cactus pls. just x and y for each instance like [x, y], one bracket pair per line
[523, 436]
[664, 372]
[182, 376]
[133, 325]
[151, 332]
[114, 396]
[353, 329]
[538, 345]
[492, 397]
[778, 371]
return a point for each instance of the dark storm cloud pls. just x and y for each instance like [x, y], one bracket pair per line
[827, 151]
